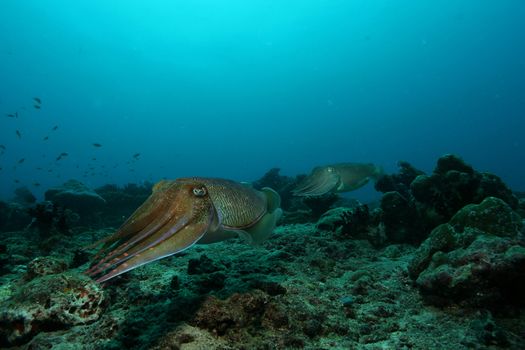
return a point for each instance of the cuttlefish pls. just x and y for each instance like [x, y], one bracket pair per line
[342, 177]
[180, 213]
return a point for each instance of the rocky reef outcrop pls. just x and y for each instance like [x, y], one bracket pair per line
[477, 258]
[414, 203]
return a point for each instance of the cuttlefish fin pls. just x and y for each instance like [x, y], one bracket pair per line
[263, 229]
[273, 199]
[171, 242]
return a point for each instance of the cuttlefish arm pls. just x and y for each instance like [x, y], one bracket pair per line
[342, 177]
[322, 180]
[172, 219]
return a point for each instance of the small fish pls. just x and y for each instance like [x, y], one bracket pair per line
[19, 134]
[62, 155]
[136, 155]
[17, 181]
[93, 158]
[97, 145]
[55, 127]
[37, 100]
[15, 115]
[46, 138]
[21, 161]
[37, 106]
[38, 168]
[36, 184]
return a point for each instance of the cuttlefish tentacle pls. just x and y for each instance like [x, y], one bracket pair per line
[142, 221]
[147, 219]
[342, 177]
[179, 214]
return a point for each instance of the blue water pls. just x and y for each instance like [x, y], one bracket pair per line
[233, 88]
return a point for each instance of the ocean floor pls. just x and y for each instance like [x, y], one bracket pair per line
[301, 289]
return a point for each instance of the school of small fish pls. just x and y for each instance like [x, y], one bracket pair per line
[92, 169]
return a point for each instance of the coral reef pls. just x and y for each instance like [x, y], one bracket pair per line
[440, 265]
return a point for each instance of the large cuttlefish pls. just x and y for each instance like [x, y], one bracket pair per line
[342, 177]
[183, 212]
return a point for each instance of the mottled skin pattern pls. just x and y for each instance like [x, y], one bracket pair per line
[342, 177]
[182, 212]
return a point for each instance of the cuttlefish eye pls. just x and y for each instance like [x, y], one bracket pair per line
[199, 191]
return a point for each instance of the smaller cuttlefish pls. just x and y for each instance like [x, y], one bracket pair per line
[341, 177]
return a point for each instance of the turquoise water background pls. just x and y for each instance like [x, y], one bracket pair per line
[233, 88]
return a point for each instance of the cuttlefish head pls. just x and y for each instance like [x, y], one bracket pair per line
[322, 180]
[176, 215]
